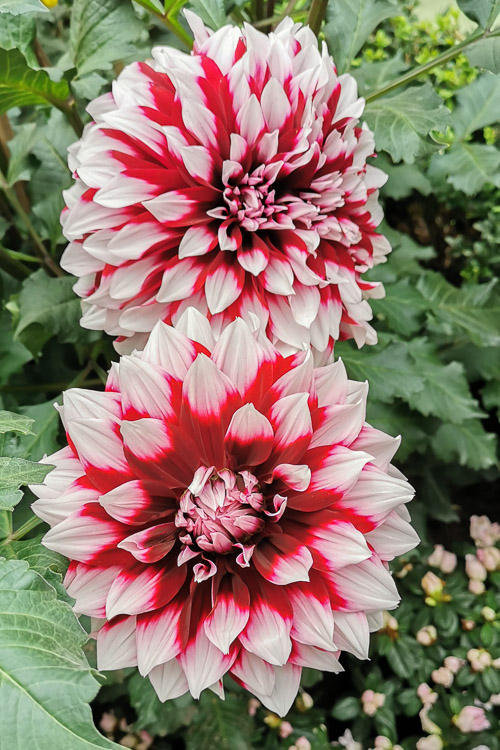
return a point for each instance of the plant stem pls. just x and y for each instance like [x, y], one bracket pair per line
[275, 20]
[39, 247]
[441, 59]
[172, 24]
[317, 14]
[24, 529]
[13, 267]
[69, 109]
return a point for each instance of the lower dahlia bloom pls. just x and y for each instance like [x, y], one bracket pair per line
[233, 180]
[226, 510]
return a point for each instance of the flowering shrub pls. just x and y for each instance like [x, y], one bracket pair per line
[228, 510]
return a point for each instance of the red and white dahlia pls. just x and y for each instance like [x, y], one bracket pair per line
[233, 180]
[226, 510]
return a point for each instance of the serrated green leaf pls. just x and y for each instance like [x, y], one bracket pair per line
[15, 472]
[446, 392]
[349, 23]
[472, 311]
[480, 11]
[373, 75]
[403, 180]
[10, 422]
[491, 395]
[212, 12]
[478, 105]
[468, 166]
[44, 676]
[468, 442]
[21, 86]
[48, 307]
[485, 54]
[101, 32]
[221, 725]
[403, 123]
[403, 308]
[16, 7]
[389, 371]
[50, 565]
[9, 498]
[18, 32]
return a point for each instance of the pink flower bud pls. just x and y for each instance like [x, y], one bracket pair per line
[302, 743]
[453, 663]
[432, 584]
[383, 743]
[489, 614]
[490, 557]
[285, 729]
[427, 635]
[426, 694]
[479, 659]
[484, 533]
[427, 725]
[372, 702]
[476, 587]
[442, 559]
[253, 705]
[471, 719]
[475, 568]
[432, 742]
[495, 699]
[443, 676]
[108, 723]
[468, 624]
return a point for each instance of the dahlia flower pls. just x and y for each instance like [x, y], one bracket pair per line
[233, 180]
[226, 510]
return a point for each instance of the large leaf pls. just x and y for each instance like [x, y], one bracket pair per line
[349, 24]
[446, 394]
[15, 472]
[221, 725]
[372, 76]
[10, 422]
[482, 12]
[101, 32]
[48, 307]
[468, 166]
[404, 122]
[388, 370]
[472, 311]
[43, 438]
[13, 354]
[469, 443]
[49, 564]
[16, 7]
[20, 85]
[485, 54]
[18, 32]
[403, 178]
[45, 680]
[212, 12]
[477, 105]
[397, 420]
[403, 307]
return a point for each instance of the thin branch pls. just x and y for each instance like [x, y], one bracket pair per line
[13, 267]
[317, 14]
[170, 22]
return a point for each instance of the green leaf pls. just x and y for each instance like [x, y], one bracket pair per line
[372, 76]
[472, 311]
[468, 166]
[388, 370]
[10, 422]
[44, 676]
[48, 307]
[43, 439]
[403, 179]
[401, 657]
[155, 717]
[350, 23]
[212, 12]
[490, 395]
[482, 12]
[435, 495]
[346, 709]
[385, 723]
[101, 32]
[50, 565]
[19, 148]
[221, 725]
[402, 308]
[15, 472]
[478, 105]
[398, 419]
[468, 442]
[403, 123]
[20, 85]
[13, 355]
[485, 54]
[16, 7]
[446, 394]
[18, 32]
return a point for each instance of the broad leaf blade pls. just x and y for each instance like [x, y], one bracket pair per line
[485, 54]
[45, 679]
[17, 7]
[21, 86]
[10, 422]
[468, 166]
[478, 105]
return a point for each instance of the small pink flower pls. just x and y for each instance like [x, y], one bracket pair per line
[495, 699]
[427, 724]
[475, 568]
[432, 584]
[426, 694]
[471, 719]
[253, 705]
[285, 729]
[372, 702]
[108, 723]
[442, 559]
[383, 743]
[443, 676]
[490, 557]
[476, 587]
[484, 533]
[453, 663]
[302, 743]
[479, 659]
[432, 742]
[427, 635]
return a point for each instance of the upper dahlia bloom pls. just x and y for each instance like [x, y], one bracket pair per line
[233, 180]
[226, 509]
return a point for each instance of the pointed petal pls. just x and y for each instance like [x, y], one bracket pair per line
[312, 614]
[352, 633]
[89, 587]
[281, 559]
[143, 588]
[291, 420]
[152, 544]
[116, 644]
[267, 632]
[158, 636]
[253, 673]
[168, 680]
[249, 437]
[229, 614]
[130, 503]
[315, 658]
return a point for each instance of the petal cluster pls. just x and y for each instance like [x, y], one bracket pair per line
[234, 180]
[226, 509]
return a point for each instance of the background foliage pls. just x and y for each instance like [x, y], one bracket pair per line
[434, 376]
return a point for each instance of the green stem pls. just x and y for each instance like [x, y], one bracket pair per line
[275, 20]
[317, 13]
[441, 59]
[171, 23]
[69, 109]
[24, 529]
[38, 245]
[13, 267]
